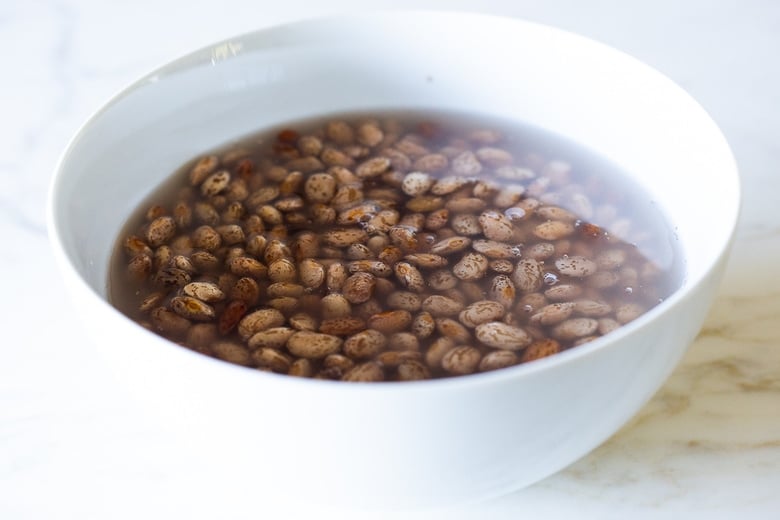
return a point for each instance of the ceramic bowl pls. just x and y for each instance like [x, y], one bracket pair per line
[397, 445]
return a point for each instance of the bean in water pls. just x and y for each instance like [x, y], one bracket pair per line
[393, 247]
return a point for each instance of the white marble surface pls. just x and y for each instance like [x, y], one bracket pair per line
[72, 445]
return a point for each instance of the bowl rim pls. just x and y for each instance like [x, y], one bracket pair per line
[252, 42]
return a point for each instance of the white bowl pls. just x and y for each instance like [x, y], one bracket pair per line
[416, 444]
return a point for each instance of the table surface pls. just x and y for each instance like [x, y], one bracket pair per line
[73, 445]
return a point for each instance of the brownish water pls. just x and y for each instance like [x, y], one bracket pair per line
[613, 213]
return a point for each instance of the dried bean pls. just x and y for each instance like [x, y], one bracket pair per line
[310, 145]
[431, 163]
[151, 301]
[231, 234]
[461, 360]
[340, 132]
[140, 267]
[426, 260]
[540, 251]
[206, 213]
[204, 291]
[339, 362]
[409, 276]
[498, 359]
[231, 352]
[466, 224]
[343, 326]
[135, 246]
[273, 359]
[495, 249]
[365, 344]
[335, 305]
[313, 345]
[472, 266]
[259, 320]
[344, 237]
[203, 168]
[574, 328]
[363, 373]
[423, 325]
[607, 325]
[404, 341]
[336, 276]
[281, 289]
[201, 336]
[393, 358]
[494, 157]
[592, 308]
[528, 276]
[302, 321]
[531, 302]
[501, 266]
[628, 312]
[509, 197]
[556, 213]
[553, 313]
[466, 205]
[424, 204]
[416, 183]
[438, 305]
[172, 277]
[481, 312]
[500, 335]
[215, 183]
[390, 321]
[539, 349]
[466, 163]
[437, 219]
[603, 279]
[369, 134]
[359, 287]
[301, 367]
[452, 329]
[502, 290]
[161, 230]
[411, 370]
[169, 322]
[247, 266]
[576, 266]
[282, 270]
[285, 304]
[231, 316]
[304, 165]
[372, 167]
[553, 230]
[275, 337]
[320, 187]
[374, 267]
[335, 157]
[404, 300]
[270, 215]
[563, 292]
[450, 245]
[437, 351]
[496, 226]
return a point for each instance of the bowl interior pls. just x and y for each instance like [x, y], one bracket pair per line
[587, 92]
[508, 69]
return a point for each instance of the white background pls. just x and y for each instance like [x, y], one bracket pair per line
[72, 445]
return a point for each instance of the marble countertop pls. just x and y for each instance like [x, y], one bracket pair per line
[73, 445]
